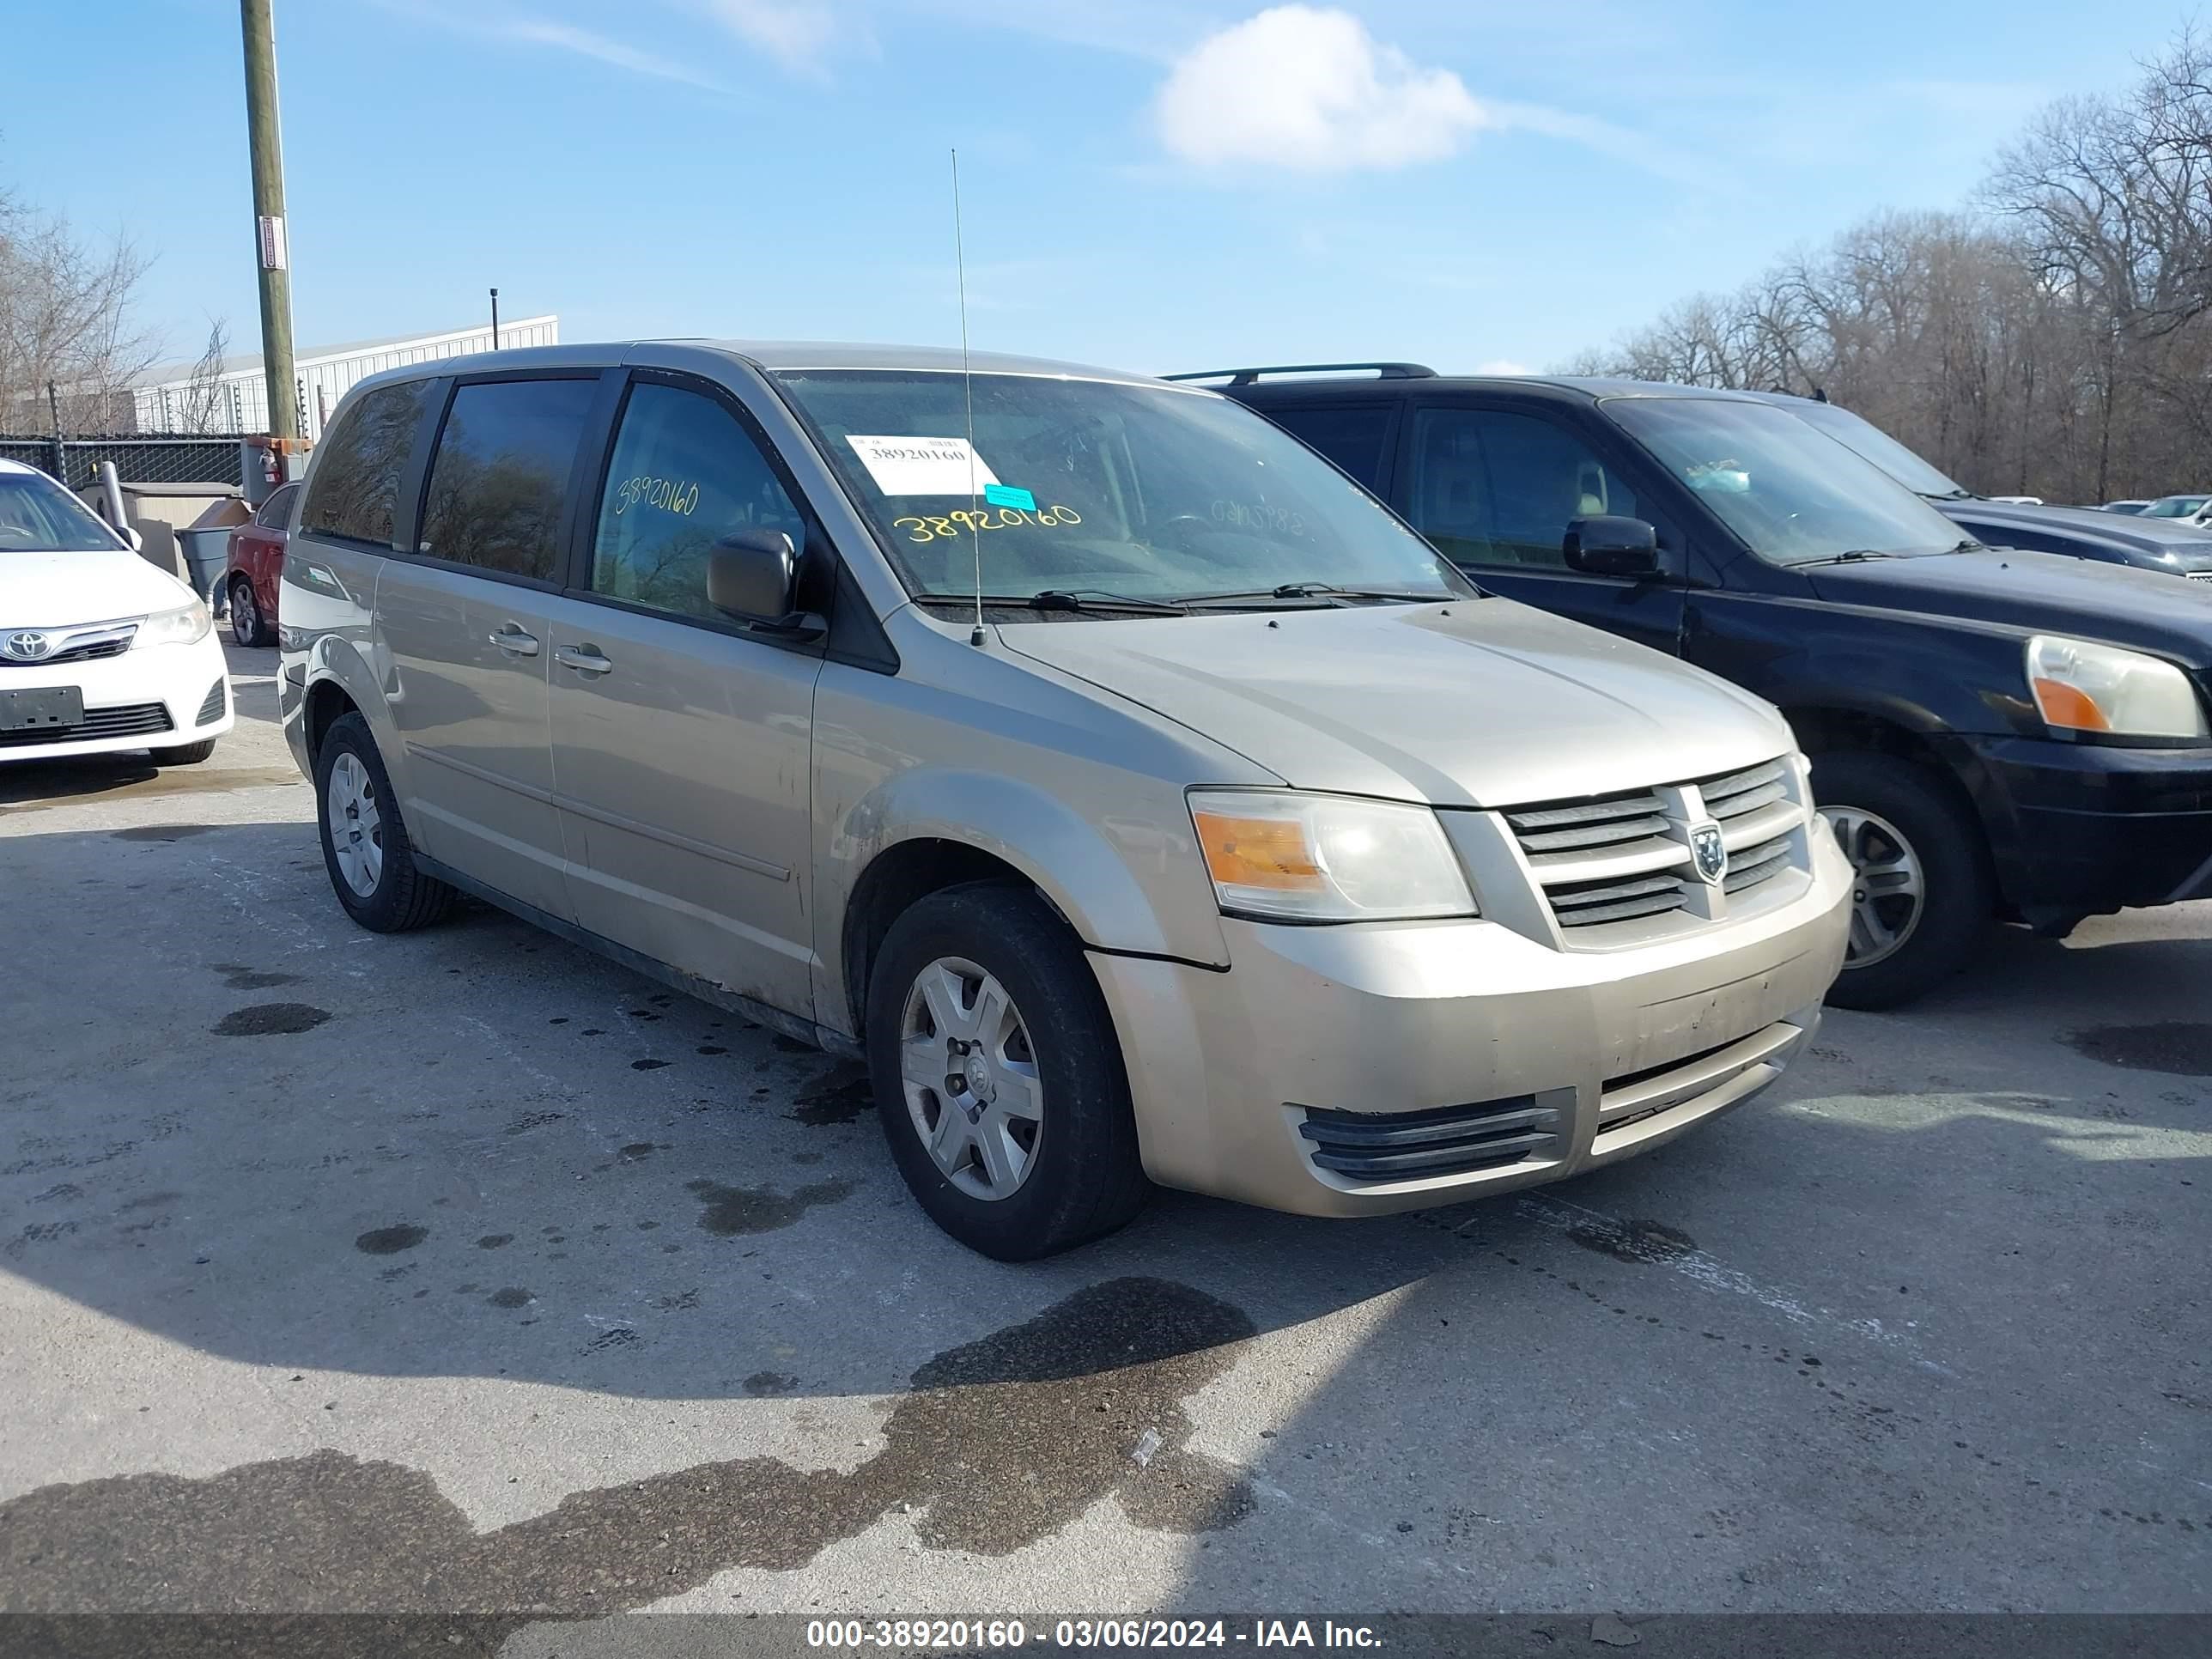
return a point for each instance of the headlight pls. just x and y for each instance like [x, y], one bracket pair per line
[187, 624]
[2084, 687]
[1288, 856]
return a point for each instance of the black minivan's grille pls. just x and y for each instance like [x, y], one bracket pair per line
[1444, 1142]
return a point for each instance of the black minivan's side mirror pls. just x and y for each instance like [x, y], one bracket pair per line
[1605, 545]
[753, 575]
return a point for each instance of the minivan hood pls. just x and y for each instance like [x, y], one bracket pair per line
[50, 590]
[1479, 702]
[2047, 592]
[2114, 536]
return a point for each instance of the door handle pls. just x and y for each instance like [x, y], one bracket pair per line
[584, 659]
[512, 641]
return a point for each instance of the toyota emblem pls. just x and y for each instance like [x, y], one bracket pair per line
[28, 646]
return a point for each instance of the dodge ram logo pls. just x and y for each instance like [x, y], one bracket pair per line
[1711, 852]
[28, 647]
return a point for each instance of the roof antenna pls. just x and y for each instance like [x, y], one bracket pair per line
[968, 389]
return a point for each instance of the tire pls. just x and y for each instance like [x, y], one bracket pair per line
[188, 754]
[247, 625]
[385, 892]
[1893, 814]
[1081, 1176]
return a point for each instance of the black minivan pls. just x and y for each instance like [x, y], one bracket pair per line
[1995, 733]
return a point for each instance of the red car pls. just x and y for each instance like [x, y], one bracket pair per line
[257, 567]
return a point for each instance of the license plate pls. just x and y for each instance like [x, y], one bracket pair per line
[53, 708]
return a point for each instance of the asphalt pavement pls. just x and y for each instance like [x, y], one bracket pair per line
[463, 1271]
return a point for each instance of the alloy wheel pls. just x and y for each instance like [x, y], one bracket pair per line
[1888, 887]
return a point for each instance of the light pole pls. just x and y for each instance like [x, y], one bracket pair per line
[494, 320]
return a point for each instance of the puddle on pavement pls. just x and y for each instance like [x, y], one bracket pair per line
[999, 1444]
[839, 1095]
[730, 1211]
[270, 1019]
[237, 976]
[1632, 1240]
[2179, 1048]
[389, 1241]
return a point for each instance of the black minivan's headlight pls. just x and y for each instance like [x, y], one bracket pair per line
[2082, 686]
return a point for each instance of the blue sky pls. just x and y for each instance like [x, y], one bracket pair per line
[1153, 184]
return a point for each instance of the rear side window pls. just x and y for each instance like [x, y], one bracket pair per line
[358, 467]
[276, 511]
[1353, 436]
[499, 482]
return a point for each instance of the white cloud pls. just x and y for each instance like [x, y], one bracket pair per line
[1300, 88]
[797, 33]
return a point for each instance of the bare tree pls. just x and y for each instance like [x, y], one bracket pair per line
[206, 408]
[65, 321]
[2053, 339]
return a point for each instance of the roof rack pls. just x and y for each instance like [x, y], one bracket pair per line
[1248, 376]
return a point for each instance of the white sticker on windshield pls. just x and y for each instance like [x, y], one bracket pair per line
[922, 466]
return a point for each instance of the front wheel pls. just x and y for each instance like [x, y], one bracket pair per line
[1922, 896]
[365, 845]
[999, 1077]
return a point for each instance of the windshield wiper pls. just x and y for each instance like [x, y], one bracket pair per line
[1097, 598]
[1853, 556]
[1329, 591]
[1949, 496]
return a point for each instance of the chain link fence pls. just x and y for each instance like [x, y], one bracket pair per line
[140, 458]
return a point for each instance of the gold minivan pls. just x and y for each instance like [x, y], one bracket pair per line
[1144, 801]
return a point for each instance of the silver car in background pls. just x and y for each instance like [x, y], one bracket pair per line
[1143, 800]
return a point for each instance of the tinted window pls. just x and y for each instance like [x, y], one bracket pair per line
[1491, 488]
[358, 467]
[684, 474]
[1354, 438]
[277, 511]
[500, 479]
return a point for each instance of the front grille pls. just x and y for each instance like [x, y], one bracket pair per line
[1627, 857]
[211, 707]
[84, 647]
[134, 719]
[1445, 1141]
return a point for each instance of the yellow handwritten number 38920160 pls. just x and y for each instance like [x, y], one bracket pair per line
[940, 527]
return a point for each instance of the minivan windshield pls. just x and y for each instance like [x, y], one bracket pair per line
[1792, 494]
[1869, 442]
[36, 515]
[1104, 491]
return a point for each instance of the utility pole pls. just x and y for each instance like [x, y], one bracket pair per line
[267, 144]
[494, 320]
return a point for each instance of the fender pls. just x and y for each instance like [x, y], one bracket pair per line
[1089, 872]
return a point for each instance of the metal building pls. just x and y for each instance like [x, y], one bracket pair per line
[168, 398]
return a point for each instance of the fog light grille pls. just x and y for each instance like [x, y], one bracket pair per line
[1444, 1141]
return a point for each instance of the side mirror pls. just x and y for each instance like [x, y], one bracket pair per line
[1604, 546]
[753, 575]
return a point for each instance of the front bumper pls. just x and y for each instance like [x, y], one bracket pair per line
[2081, 828]
[1326, 1061]
[162, 696]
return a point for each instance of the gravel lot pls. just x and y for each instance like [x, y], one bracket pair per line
[465, 1271]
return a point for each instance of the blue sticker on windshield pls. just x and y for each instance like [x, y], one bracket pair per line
[1006, 495]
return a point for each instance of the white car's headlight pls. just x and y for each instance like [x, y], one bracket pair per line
[2082, 686]
[1285, 855]
[188, 624]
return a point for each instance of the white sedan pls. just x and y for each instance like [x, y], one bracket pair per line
[99, 650]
